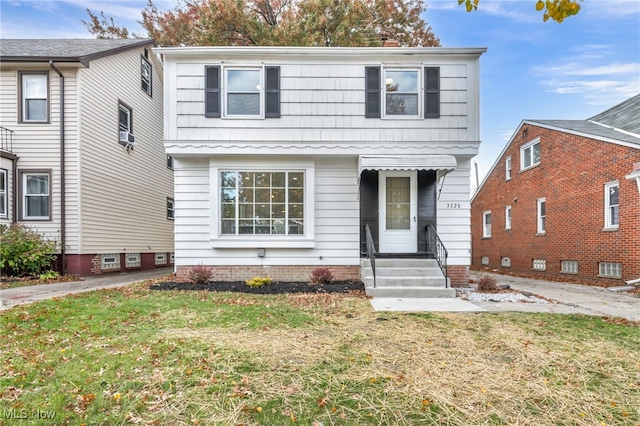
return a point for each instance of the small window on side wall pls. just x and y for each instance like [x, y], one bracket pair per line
[542, 216]
[3, 194]
[36, 195]
[507, 168]
[34, 94]
[612, 205]
[146, 76]
[486, 224]
[170, 209]
[530, 154]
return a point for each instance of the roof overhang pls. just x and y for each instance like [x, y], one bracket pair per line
[439, 162]
[635, 175]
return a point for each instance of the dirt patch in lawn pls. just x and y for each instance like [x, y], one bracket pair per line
[275, 287]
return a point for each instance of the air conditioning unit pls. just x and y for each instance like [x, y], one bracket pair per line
[127, 137]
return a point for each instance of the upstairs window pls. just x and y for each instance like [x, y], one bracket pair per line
[124, 118]
[146, 75]
[242, 92]
[171, 209]
[611, 204]
[486, 224]
[34, 89]
[530, 154]
[402, 92]
[507, 168]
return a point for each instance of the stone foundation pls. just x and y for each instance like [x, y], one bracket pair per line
[278, 273]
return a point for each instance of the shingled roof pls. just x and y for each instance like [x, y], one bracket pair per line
[65, 50]
[620, 123]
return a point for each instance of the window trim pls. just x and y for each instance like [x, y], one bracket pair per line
[225, 92]
[144, 61]
[486, 214]
[419, 93]
[21, 98]
[508, 172]
[607, 206]
[609, 265]
[306, 240]
[171, 209]
[507, 217]
[541, 220]
[4, 194]
[23, 205]
[523, 148]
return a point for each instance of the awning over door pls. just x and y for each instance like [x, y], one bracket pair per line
[442, 163]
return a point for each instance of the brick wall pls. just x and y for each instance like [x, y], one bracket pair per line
[459, 275]
[571, 177]
[279, 273]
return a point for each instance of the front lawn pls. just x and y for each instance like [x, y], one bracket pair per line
[136, 356]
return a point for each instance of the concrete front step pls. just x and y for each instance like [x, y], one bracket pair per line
[414, 281]
[411, 292]
[402, 263]
[386, 271]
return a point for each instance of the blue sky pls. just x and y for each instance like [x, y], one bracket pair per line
[532, 70]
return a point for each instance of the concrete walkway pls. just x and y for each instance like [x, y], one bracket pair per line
[28, 294]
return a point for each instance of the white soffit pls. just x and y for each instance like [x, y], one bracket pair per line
[444, 163]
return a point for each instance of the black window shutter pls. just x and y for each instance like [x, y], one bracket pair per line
[432, 92]
[212, 104]
[372, 92]
[272, 92]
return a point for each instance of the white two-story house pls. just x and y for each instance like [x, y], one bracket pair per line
[284, 157]
[81, 153]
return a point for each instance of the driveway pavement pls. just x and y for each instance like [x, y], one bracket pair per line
[28, 294]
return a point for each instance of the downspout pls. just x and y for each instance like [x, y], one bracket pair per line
[63, 229]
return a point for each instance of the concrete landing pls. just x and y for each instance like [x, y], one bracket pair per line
[415, 304]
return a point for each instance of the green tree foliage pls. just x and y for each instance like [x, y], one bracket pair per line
[279, 23]
[24, 252]
[557, 10]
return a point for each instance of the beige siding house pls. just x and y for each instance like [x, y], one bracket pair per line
[81, 158]
[285, 157]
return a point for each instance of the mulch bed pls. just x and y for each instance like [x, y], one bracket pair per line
[275, 287]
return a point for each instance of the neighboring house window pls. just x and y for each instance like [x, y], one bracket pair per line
[507, 217]
[542, 216]
[539, 264]
[484, 260]
[250, 92]
[34, 89]
[262, 203]
[530, 154]
[507, 168]
[393, 92]
[161, 258]
[110, 261]
[506, 262]
[610, 270]
[569, 266]
[132, 260]
[36, 195]
[171, 208]
[486, 224]
[146, 75]
[611, 204]
[169, 162]
[3, 194]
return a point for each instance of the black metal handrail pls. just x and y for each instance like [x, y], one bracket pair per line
[6, 140]
[371, 251]
[436, 248]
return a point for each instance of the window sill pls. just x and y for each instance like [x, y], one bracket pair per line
[540, 234]
[609, 277]
[255, 241]
[568, 273]
[486, 238]
[611, 229]
[529, 168]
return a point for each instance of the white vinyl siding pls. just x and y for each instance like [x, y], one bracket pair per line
[530, 154]
[612, 205]
[138, 182]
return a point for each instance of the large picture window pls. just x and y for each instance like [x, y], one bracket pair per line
[262, 203]
[36, 196]
[34, 89]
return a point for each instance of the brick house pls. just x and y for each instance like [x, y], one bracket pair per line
[563, 200]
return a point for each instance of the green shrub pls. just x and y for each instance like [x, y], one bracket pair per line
[24, 252]
[258, 281]
[49, 275]
[321, 276]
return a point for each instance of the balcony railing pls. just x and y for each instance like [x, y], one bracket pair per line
[6, 140]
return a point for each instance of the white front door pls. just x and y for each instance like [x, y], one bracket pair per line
[398, 210]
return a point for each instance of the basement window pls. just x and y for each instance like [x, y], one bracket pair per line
[133, 260]
[539, 265]
[109, 261]
[610, 270]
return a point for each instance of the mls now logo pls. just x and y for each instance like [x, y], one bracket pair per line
[23, 414]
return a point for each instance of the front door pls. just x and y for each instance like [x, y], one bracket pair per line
[398, 211]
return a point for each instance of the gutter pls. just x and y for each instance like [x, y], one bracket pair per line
[63, 230]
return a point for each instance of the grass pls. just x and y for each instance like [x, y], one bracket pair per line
[133, 356]
[14, 282]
